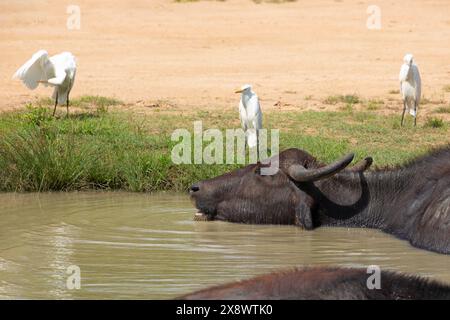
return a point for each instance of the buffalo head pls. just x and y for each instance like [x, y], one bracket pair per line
[246, 196]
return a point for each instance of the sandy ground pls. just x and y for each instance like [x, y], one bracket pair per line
[194, 54]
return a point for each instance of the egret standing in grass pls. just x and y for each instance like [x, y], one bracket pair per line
[250, 115]
[57, 71]
[410, 86]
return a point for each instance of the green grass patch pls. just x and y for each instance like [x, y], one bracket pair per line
[434, 123]
[442, 110]
[99, 102]
[374, 104]
[425, 100]
[121, 150]
[347, 99]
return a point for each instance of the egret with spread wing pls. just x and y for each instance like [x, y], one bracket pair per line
[410, 86]
[57, 71]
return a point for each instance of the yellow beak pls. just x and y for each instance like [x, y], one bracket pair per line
[238, 91]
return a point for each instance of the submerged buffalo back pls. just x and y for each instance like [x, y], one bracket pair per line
[325, 283]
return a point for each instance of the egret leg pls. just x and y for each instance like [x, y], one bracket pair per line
[245, 148]
[67, 104]
[403, 114]
[415, 112]
[245, 145]
[56, 103]
[258, 156]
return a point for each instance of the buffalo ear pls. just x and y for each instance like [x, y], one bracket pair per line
[303, 216]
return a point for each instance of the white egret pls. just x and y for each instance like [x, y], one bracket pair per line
[250, 115]
[410, 86]
[57, 71]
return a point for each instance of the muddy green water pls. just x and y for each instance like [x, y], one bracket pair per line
[139, 246]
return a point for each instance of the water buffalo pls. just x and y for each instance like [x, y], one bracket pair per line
[325, 283]
[411, 202]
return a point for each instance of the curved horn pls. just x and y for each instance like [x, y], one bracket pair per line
[301, 174]
[362, 166]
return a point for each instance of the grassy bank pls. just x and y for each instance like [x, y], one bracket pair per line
[100, 149]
